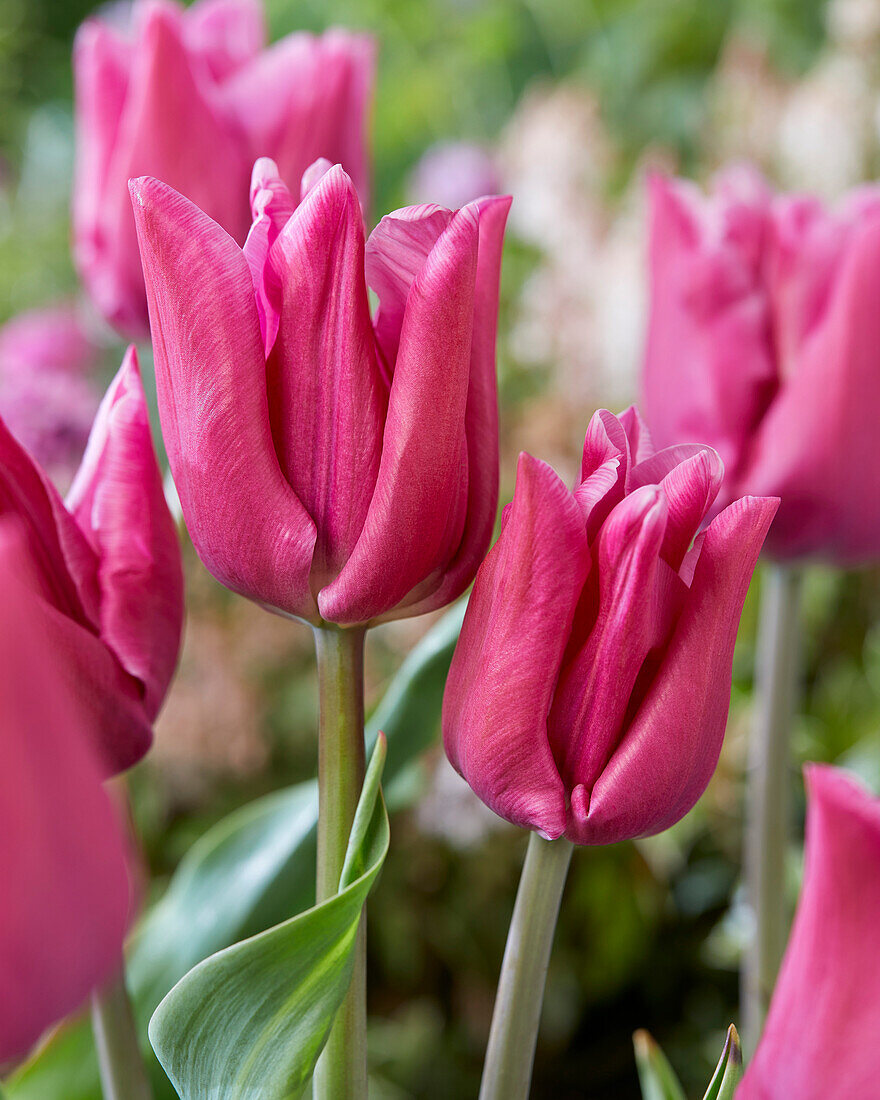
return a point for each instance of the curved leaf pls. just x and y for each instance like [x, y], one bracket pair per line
[252, 1019]
[729, 1071]
[656, 1076]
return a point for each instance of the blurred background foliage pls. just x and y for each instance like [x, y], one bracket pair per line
[572, 99]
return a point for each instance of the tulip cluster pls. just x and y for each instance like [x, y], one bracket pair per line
[107, 571]
[588, 694]
[332, 466]
[193, 97]
[763, 342]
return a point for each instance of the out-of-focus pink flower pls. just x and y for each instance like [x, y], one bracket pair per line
[330, 465]
[589, 689]
[762, 342]
[453, 174]
[47, 395]
[820, 1039]
[107, 564]
[63, 858]
[192, 97]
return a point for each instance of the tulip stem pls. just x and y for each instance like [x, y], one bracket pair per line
[341, 1073]
[507, 1071]
[777, 675]
[121, 1065]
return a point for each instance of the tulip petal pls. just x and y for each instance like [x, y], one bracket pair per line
[690, 486]
[504, 670]
[831, 402]
[671, 746]
[307, 97]
[63, 859]
[827, 988]
[245, 520]
[65, 563]
[271, 207]
[601, 669]
[327, 399]
[226, 34]
[396, 252]
[119, 502]
[641, 446]
[416, 517]
[481, 417]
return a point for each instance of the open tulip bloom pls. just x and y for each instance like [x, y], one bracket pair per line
[588, 694]
[333, 466]
[194, 87]
[107, 569]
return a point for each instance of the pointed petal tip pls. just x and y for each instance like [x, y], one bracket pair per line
[264, 168]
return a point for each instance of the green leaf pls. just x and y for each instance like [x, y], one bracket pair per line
[252, 1019]
[259, 861]
[656, 1075]
[729, 1071]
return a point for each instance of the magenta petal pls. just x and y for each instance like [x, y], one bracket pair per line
[63, 860]
[641, 445]
[245, 520]
[481, 416]
[119, 502]
[820, 1038]
[416, 516]
[327, 399]
[271, 207]
[671, 746]
[226, 34]
[594, 688]
[817, 445]
[395, 254]
[308, 97]
[504, 670]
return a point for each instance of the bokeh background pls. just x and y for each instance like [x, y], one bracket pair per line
[569, 103]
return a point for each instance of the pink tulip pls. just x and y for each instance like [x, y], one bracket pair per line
[193, 97]
[108, 568]
[762, 342]
[589, 689]
[820, 1039]
[63, 859]
[47, 396]
[330, 465]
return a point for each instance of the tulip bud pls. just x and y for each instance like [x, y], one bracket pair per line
[107, 568]
[820, 1038]
[331, 465]
[589, 690]
[762, 342]
[192, 95]
[63, 858]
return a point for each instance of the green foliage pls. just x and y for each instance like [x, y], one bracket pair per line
[659, 1082]
[729, 1071]
[252, 1019]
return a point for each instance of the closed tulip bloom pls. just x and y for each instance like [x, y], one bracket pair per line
[588, 693]
[107, 567]
[763, 342]
[331, 465]
[194, 97]
[820, 1038]
[63, 858]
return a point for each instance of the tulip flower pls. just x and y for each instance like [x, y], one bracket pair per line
[47, 395]
[762, 342]
[589, 690]
[108, 570]
[193, 96]
[820, 1038]
[63, 858]
[333, 466]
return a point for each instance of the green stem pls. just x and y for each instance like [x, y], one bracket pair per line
[123, 1075]
[507, 1071]
[768, 781]
[341, 1073]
